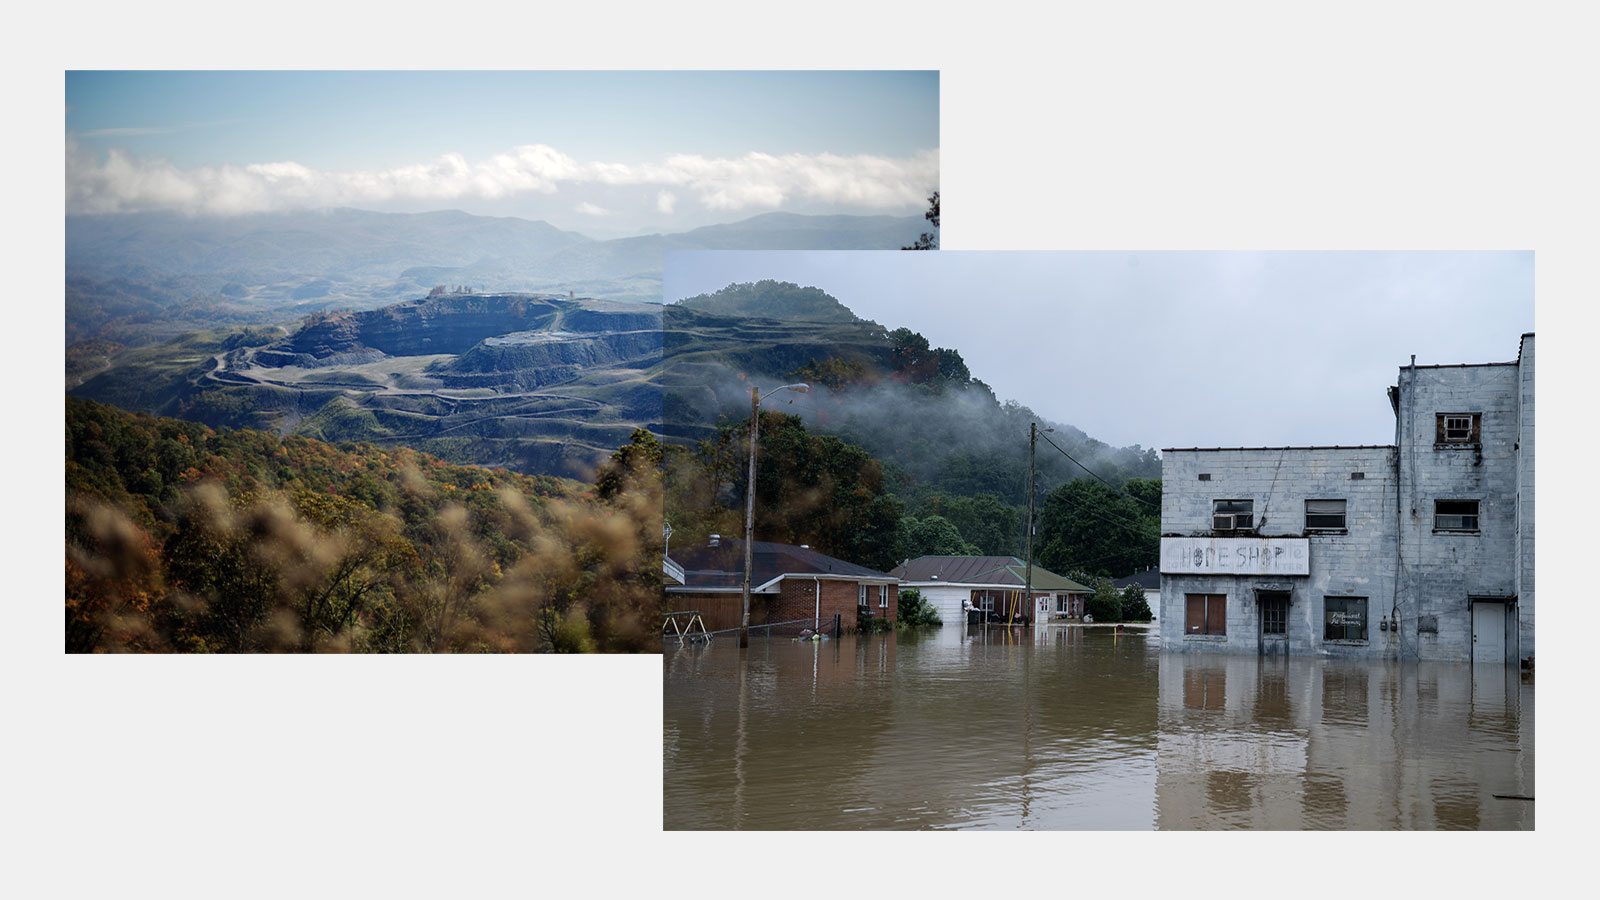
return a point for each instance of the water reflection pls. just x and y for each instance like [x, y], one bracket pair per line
[979, 728]
[1073, 728]
[1274, 743]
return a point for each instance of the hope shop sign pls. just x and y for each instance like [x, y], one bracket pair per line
[1235, 556]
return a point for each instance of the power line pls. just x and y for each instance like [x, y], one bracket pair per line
[1121, 490]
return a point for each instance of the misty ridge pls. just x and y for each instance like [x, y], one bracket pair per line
[961, 439]
[937, 431]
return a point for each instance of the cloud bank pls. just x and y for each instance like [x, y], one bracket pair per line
[121, 182]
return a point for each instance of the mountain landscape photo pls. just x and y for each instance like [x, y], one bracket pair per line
[310, 306]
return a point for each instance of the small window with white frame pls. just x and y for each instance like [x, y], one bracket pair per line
[1325, 515]
[883, 596]
[861, 594]
[1457, 429]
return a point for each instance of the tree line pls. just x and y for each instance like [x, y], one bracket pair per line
[832, 495]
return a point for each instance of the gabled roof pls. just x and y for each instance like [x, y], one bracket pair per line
[1149, 579]
[722, 566]
[1002, 570]
[955, 569]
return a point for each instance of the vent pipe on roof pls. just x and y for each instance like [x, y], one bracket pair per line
[716, 540]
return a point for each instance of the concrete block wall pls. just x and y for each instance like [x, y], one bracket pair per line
[1525, 504]
[1440, 570]
[1358, 562]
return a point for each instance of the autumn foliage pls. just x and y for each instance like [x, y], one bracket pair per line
[183, 538]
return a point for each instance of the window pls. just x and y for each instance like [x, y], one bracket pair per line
[1207, 614]
[1274, 613]
[1457, 428]
[985, 601]
[1064, 604]
[861, 594]
[1232, 515]
[883, 596]
[1455, 515]
[1344, 618]
[1324, 515]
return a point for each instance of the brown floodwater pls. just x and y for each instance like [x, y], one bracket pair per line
[1083, 728]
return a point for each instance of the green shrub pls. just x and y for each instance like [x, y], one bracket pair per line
[1134, 607]
[916, 612]
[1105, 604]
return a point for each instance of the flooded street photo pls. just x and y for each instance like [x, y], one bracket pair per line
[1084, 728]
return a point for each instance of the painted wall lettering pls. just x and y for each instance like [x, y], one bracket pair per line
[1236, 556]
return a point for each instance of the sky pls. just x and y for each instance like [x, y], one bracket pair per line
[605, 153]
[1176, 349]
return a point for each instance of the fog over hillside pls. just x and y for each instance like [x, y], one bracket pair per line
[929, 418]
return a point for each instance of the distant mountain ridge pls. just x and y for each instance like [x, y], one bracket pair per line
[352, 243]
[345, 242]
[136, 278]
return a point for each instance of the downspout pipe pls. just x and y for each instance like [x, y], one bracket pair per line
[816, 622]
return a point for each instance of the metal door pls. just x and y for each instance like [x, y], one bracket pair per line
[1489, 632]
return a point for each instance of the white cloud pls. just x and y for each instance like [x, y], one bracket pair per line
[589, 209]
[121, 182]
[122, 132]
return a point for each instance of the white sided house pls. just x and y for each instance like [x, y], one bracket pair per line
[994, 585]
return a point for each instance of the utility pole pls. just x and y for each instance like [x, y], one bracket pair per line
[750, 499]
[749, 513]
[1033, 438]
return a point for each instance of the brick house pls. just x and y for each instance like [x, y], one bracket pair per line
[787, 584]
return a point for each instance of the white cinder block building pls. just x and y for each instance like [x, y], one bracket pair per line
[1420, 550]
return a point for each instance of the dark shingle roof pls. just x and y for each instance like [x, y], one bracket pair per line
[1149, 579]
[723, 565]
[981, 570]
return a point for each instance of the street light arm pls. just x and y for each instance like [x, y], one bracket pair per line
[799, 388]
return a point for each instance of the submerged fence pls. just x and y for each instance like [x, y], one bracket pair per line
[687, 627]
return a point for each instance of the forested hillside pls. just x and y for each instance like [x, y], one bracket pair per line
[951, 455]
[184, 538]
